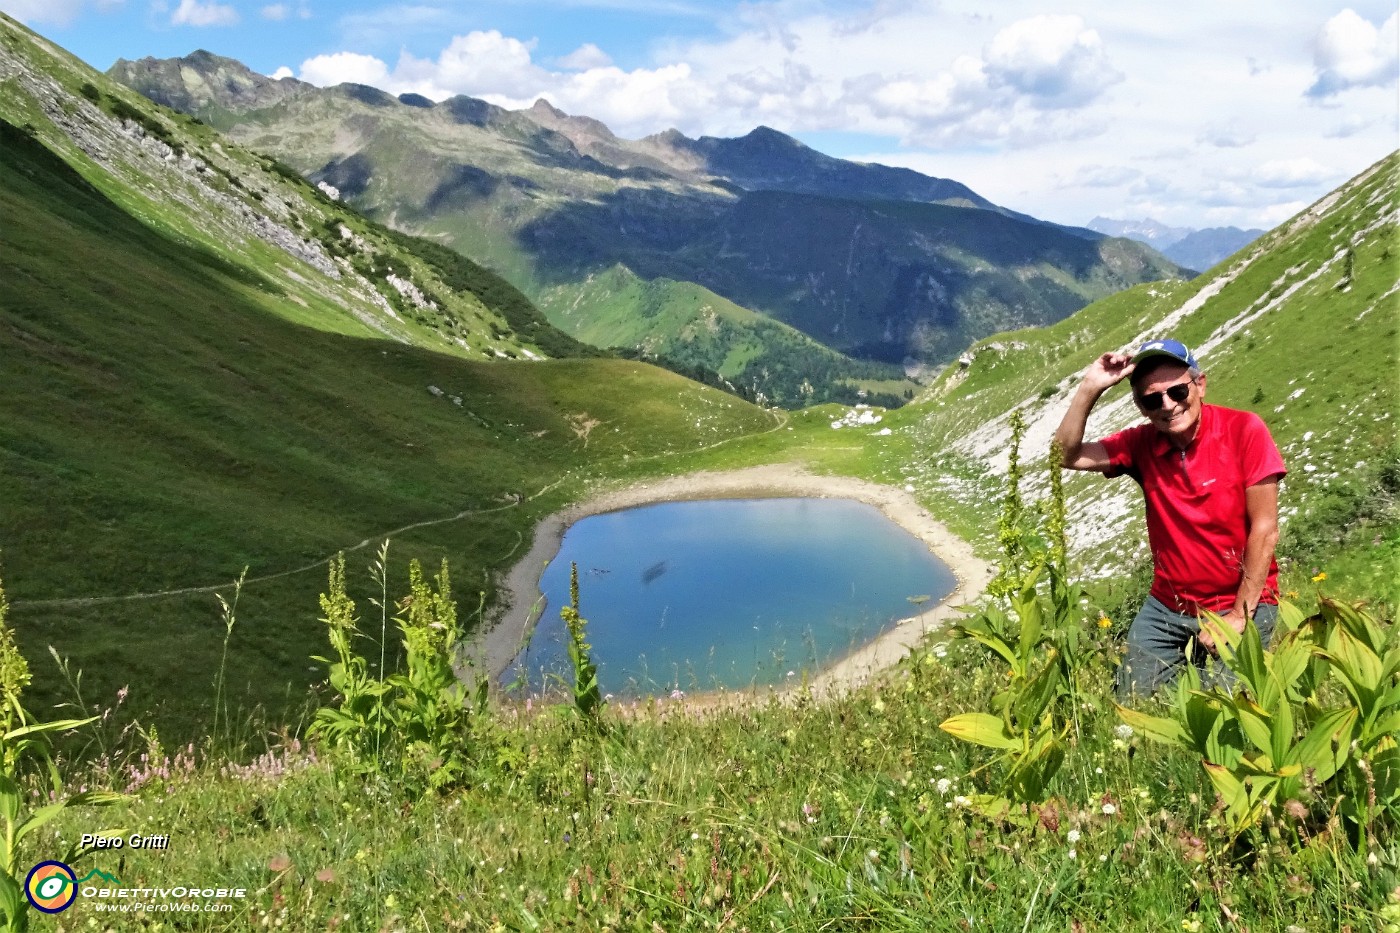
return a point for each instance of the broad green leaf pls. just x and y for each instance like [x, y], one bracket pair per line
[57, 725]
[1037, 694]
[1254, 721]
[1289, 616]
[91, 798]
[1031, 615]
[1315, 752]
[991, 806]
[1155, 728]
[1289, 661]
[994, 642]
[1357, 623]
[9, 798]
[13, 909]
[1282, 730]
[981, 729]
[1231, 788]
[1388, 724]
[1250, 664]
[1385, 769]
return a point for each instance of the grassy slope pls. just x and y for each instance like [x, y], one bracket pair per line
[693, 325]
[163, 426]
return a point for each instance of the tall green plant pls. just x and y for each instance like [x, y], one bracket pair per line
[588, 699]
[359, 722]
[1314, 720]
[418, 725]
[1034, 627]
[25, 743]
[434, 709]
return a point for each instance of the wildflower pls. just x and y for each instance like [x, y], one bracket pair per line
[1073, 854]
[1123, 731]
[942, 785]
[1109, 809]
[961, 801]
[1105, 622]
[1072, 836]
[1320, 576]
[678, 694]
[1191, 926]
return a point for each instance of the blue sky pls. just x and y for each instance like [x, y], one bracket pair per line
[1197, 113]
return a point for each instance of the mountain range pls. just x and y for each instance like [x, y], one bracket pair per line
[877, 263]
[1188, 247]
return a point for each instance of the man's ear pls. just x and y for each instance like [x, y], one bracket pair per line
[1201, 385]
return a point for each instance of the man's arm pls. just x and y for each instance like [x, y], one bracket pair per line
[1103, 374]
[1261, 506]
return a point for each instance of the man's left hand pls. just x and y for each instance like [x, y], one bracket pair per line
[1234, 620]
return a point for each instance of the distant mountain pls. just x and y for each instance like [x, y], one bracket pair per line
[1202, 249]
[1185, 246]
[876, 262]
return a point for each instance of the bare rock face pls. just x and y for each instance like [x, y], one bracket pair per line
[203, 80]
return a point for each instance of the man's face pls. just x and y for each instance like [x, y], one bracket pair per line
[1178, 420]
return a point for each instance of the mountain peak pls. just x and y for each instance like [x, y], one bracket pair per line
[543, 108]
[202, 81]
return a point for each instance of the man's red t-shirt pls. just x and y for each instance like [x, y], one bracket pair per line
[1197, 521]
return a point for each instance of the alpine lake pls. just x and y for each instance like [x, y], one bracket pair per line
[727, 594]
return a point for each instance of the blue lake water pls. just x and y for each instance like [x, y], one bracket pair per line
[729, 592]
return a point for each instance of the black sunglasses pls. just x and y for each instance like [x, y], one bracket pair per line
[1153, 400]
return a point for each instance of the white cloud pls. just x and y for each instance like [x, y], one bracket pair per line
[1292, 173]
[195, 13]
[345, 67]
[280, 73]
[276, 12]
[1105, 176]
[585, 57]
[1350, 125]
[1351, 52]
[1226, 136]
[51, 12]
[1054, 61]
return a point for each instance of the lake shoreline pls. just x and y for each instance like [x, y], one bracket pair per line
[511, 624]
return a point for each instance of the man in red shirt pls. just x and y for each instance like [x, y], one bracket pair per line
[1210, 479]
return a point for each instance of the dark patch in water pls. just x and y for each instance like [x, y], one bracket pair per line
[655, 570]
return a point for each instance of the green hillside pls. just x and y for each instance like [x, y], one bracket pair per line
[693, 326]
[179, 406]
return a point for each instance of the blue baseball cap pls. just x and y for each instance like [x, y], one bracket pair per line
[1171, 349]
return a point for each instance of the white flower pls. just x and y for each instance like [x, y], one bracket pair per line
[1109, 809]
[1072, 836]
[943, 785]
[1123, 731]
[961, 801]
[1072, 854]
